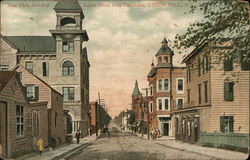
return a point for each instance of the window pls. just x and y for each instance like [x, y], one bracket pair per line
[159, 59]
[188, 92]
[166, 84]
[226, 124]
[68, 46]
[29, 66]
[228, 91]
[68, 68]
[68, 93]
[199, 92]
[245, 62]
[163, 102]
[199, 66]
[159, 104]
[205, 91]
[35, 123]
[151, 90]
[179, 103]
[19, 120]
[32, 92]
[165, 59]
[159, 84]
[188, 75]
[205, 65]
[228, 64]
[151, 106]
[166, 104]
[55, 118]
[180, 85]
[45, 68]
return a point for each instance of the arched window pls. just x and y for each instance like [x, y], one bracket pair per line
[68, 68]
[68, 21]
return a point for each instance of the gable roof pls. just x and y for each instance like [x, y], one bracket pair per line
[33, 43]
[69, 5]
[19, 65]
[5, 77]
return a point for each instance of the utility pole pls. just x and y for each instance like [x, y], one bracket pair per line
[147, 111]
[99, 107]
[96, 128]
[142, 117]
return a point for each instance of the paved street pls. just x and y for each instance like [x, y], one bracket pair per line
[124, 146]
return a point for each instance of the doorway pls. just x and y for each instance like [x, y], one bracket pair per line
[165, 129]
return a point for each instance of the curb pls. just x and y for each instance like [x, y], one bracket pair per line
[180, 149]
[71, 152]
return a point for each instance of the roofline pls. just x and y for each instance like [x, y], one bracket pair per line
[8, 42]
[19, 65]
[195, 51]
[9, 78]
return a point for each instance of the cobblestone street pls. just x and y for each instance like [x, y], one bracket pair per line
[125, 146]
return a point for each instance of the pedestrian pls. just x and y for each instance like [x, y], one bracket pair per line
[40, 145]
[158, 133]
[78, 134]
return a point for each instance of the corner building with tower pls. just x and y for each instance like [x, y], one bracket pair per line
[60, 60]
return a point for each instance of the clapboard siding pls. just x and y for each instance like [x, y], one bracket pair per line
[239, 108]
[55, 104]
[13, 95]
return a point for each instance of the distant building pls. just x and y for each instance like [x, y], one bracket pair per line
[92, 117]
[216, 111]
[139, 106]
[60, 60]
[167, 90]
[19, 119]
[39, 91]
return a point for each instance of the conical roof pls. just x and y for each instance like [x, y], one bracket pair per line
[136, 91]
[68, 5]
[164, 50]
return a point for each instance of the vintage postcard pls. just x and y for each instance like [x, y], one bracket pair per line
[124, 79]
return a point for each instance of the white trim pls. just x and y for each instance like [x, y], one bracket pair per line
[163, 103]
[177, 91]
[162, 84]
[158, 116]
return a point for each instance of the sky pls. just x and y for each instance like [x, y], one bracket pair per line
[124, 37]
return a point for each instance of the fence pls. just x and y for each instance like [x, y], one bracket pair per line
[232, 141]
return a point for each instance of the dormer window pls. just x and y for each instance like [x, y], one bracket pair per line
[165, 59]
[68, 46]
[159, 59]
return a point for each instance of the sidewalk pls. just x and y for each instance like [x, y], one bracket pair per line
[213, 153]
[65, 151]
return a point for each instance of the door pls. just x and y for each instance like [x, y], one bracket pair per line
[3, 128]
[165, 129]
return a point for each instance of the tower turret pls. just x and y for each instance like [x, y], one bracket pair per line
[164, 54]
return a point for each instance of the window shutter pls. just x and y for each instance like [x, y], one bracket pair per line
[222, 128]
[226, 91]
[36, 93]
[231, 124]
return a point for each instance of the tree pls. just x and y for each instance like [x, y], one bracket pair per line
[223, 20]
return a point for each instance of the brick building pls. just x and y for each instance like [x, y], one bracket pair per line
[18, 126]
[60, 60]
[39, 91]
[166, 93]
[216, 111]
[92, 117]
